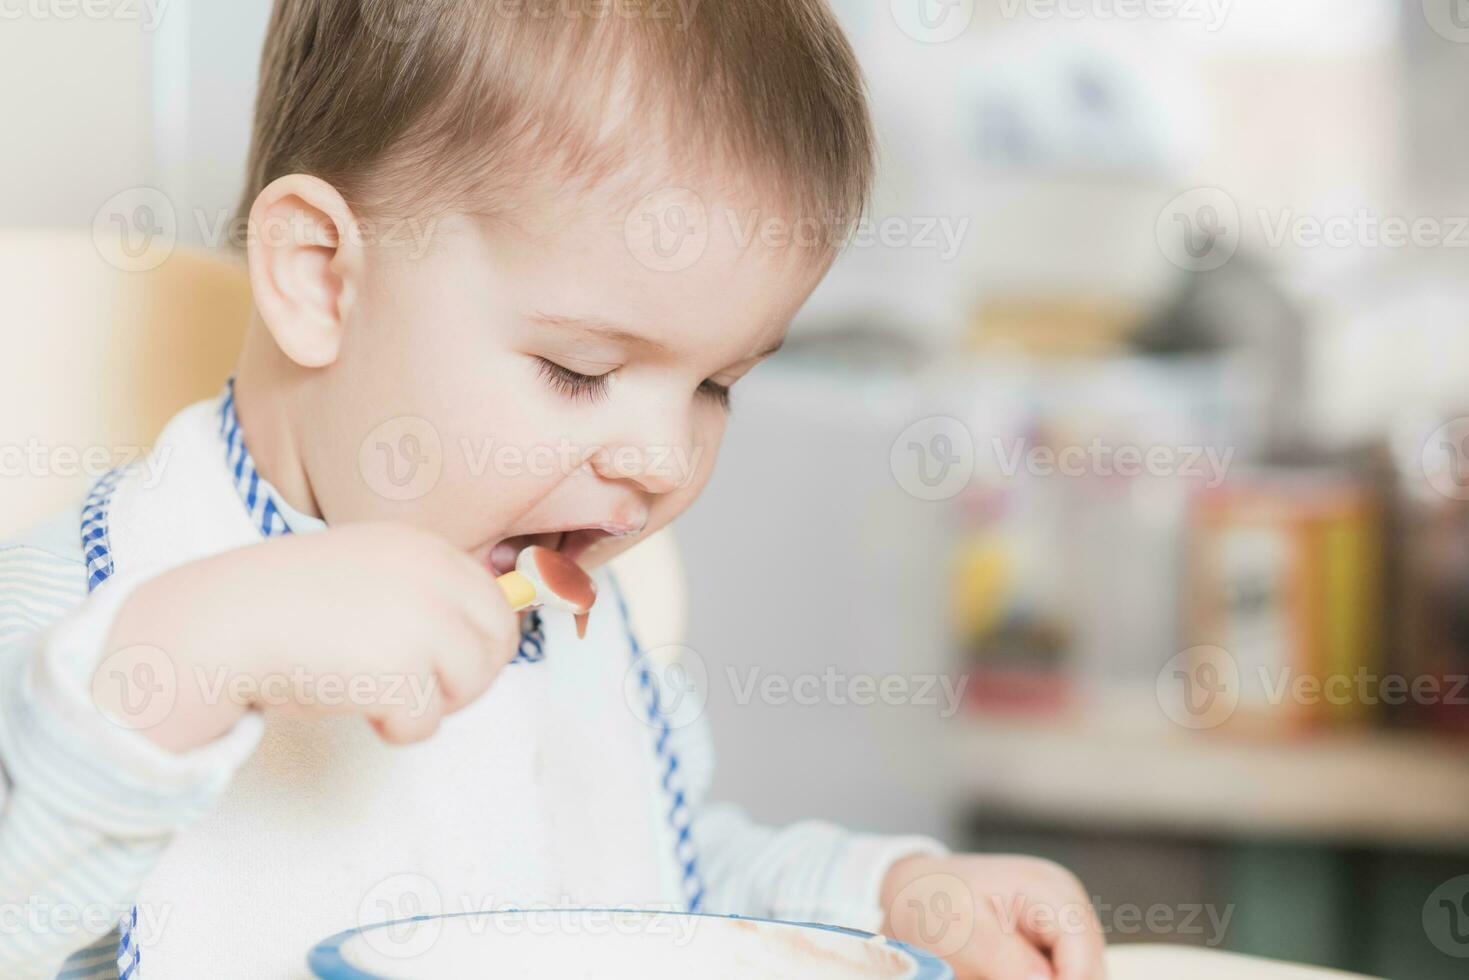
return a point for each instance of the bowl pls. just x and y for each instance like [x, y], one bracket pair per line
[615, 944]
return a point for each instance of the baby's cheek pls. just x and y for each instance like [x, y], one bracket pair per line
[478, 497]
[670, 505]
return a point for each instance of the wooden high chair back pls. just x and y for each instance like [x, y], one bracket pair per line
[95, 359]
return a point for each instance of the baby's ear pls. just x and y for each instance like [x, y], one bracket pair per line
[305, 256]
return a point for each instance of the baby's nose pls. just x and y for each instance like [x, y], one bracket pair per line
[656, 469]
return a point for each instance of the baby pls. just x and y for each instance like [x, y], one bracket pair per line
[509, 258]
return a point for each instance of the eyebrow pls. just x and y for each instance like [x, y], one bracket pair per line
[605, 329]
[615, 332]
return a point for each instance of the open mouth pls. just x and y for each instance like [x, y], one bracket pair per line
[572, 542]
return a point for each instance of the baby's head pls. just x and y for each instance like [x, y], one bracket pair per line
[509, 256]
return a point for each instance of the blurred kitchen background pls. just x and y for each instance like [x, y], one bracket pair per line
[1130, 436]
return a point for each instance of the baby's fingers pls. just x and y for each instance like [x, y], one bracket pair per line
[1003, 957]
[484, 609]
[406, 722]
[1078, 956]
[1065, 924]
[466, 659]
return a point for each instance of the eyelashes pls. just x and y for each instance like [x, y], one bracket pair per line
[572, 384]
[593, 388]
[717, 393]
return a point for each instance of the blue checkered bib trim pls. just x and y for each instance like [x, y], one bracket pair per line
[265, 513]
[259, 500]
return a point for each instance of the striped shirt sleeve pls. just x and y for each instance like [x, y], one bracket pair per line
[809, 871]
[86, 806]
[36, 589]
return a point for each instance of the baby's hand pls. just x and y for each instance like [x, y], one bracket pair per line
[995, 917]
[378, 620]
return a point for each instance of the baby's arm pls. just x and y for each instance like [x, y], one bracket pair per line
[999, 916]
[812, 871]
[108, 745]
[86, 806]
[961, 907]
[808, 871]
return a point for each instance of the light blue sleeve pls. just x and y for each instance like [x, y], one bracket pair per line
[86, 805]
[808, 871]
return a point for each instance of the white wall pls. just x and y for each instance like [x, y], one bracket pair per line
[74, 97]
[207, 60]
[811, 573]
[158, 94]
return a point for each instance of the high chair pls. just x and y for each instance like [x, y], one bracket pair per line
[94, 360]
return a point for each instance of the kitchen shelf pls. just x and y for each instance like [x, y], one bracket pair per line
[1378, 789]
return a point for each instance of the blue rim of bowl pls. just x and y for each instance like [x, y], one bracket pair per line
[325, 960]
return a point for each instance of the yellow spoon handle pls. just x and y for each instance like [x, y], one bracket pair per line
[518, 590]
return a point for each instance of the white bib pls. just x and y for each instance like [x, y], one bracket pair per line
[547, 792]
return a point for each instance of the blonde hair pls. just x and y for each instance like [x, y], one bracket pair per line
[461, 103]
